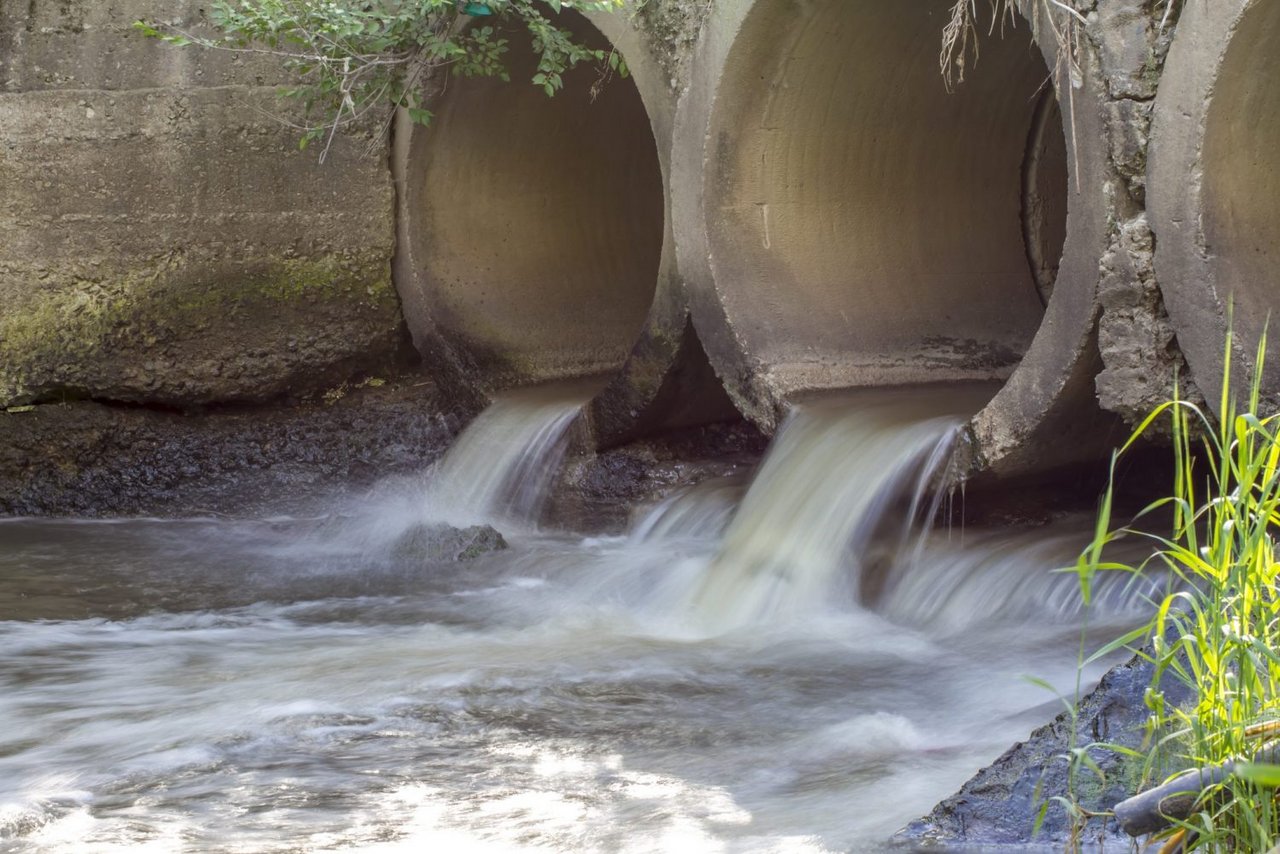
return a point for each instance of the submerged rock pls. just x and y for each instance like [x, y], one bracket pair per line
[444, 543]
[1000, 804]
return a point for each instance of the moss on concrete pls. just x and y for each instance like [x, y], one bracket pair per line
[163, 333]
[671, 28]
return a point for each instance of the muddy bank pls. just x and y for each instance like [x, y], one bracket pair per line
[90, 459]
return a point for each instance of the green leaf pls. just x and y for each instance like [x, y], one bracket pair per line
[1260, 773]
[1124, 640]
[350, 57]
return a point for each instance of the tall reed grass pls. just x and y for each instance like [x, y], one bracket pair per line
[1217, 628]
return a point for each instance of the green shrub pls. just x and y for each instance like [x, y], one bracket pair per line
[354, 58]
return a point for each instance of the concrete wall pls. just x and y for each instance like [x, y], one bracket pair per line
[162, 240]
[782, 199]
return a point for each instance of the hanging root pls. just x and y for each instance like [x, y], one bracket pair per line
[960, 37]
[957, 37]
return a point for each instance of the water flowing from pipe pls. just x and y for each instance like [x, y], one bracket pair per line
[948, 586]
[800, 540]
[241, 684]
[497, 472]
[501, 467]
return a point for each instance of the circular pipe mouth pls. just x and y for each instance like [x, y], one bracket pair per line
[1213, 189]
[1240, 190]
[1044, 194]
[537, 222]
[866, 226]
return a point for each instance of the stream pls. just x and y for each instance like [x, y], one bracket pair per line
[789, 663]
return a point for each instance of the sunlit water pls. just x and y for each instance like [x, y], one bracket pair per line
[289, 685]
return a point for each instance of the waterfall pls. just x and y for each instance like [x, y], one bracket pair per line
[700, 512]
[803, 535]
[497, 472]
[1003, 576]
[501, 466]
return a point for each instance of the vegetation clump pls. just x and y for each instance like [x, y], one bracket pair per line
[1216, 629]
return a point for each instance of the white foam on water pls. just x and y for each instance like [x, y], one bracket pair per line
[501, 466]
[797, 543]
[715, 680]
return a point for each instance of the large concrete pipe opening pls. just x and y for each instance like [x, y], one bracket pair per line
[534, 225]
[1215, 184]
[1242, 169]
[867, 227]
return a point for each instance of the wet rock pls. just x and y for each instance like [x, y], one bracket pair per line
[999, 804]
[444, 543]
[599, 491]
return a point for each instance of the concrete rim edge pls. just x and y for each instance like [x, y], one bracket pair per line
[1056, 373]
[1175, 181]
[456, 372]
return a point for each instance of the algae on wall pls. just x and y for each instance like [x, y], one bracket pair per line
[162, 240]
[167, 334]
[671, 28]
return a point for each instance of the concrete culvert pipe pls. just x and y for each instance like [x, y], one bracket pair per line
[531, 228]
[858, 225]
[1214, 185]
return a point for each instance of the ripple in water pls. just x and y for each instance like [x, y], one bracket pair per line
[223, 685]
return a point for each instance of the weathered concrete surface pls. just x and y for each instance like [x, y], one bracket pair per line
[534, 237]
[90, 459]
[667, 381]
[1139, 351]
[669, 30]
[842, 221]
[533, 227]
[162, 240]
[1214, 184]
[1000, 804]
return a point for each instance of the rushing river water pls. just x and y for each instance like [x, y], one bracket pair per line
[787, 671]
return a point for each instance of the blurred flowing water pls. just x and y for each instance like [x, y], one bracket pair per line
[785, 665]
[501, 466]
